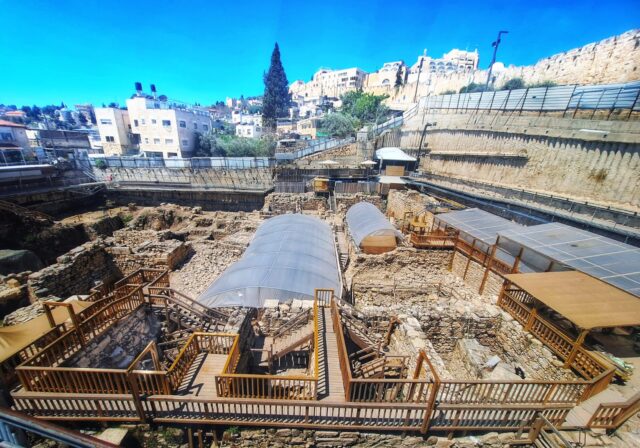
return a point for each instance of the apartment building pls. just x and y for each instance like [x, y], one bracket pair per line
[13, 135]
[455, 61]
[166, 128]
[115, 131]
[249, 130]
[332, 83]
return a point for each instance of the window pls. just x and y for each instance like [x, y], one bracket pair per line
[6, 136]
[183, 124]
[105, 121]
[142, 121]
[109, 138]
[146, 140]
[153, 121]
[168, 141]
[195, 125]
[205, 127]
[166, 122]
[156, 141]
[172, 154]
[135, 123]
[185, 142]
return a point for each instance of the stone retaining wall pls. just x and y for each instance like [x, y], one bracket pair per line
[474, 275]
[75, 272]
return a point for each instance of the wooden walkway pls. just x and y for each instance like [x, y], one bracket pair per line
[329, 358]
[200, 381]
[580, 415]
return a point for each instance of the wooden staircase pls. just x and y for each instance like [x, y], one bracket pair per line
[25, 212]
[286, 344]
[186, 312]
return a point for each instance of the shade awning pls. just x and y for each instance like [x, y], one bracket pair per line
[16, 337]
[584, 300]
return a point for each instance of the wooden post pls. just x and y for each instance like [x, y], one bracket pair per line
[487, 268]
[135, 394]
[47, 311]
[516, 263]
[532, 317]
[574, 350]
[470, 255]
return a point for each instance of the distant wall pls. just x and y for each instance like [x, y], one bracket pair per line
[612, 60]
[560, 156]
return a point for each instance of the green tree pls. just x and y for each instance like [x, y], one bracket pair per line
[276, 92]
[399, 77]
[339, 125]
[366, 107]
[513, 84]
[473, 87]
[546, 83]
[449, 92]
[35, 112]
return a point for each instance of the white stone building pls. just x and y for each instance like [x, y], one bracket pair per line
[166, 128]
[249, 130]
[115, 131]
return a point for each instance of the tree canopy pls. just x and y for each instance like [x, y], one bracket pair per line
[275, 103]
[366, 107]
[339, 124]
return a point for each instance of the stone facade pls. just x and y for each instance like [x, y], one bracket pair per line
[344, 201]
[612, 60]
[282, 203]
[75, 272]
[400, 202]
[160, 255]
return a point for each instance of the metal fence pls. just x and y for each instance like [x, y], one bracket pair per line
[222, 163]
[314, 148]
[290, 187]
[356, 187]
[561, 98]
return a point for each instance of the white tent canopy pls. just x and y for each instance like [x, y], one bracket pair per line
[365, 219]
[289, 257]
[395, 154]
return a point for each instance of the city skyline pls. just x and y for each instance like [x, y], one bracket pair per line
[201, 54]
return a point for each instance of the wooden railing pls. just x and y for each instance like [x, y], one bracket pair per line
[612, 415]
[432, 240]
[510, 392]
[229, 383]
[164, 296]
[597, 373]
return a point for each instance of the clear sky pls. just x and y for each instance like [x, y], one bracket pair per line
[93, 51]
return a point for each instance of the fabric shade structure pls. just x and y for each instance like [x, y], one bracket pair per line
[370, 230]
[16, 337]
[289, 257]
[395, 154]
[584, 300]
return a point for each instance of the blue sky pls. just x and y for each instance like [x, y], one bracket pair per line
[90, 51]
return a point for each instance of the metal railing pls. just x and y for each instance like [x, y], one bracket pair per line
[221, 163]
[541, 99]
[314, 148]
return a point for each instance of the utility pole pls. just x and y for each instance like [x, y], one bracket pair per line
[424, 132]
[493, 59]
[418, 80]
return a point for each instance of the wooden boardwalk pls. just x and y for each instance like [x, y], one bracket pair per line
[329, 358]
[200, 381]
[581, 414]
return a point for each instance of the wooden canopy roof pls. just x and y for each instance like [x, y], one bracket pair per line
[584, 300]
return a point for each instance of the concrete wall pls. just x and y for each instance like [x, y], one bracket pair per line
[208, 200]
[561, 156]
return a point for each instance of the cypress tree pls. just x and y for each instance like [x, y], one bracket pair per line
[275, 103]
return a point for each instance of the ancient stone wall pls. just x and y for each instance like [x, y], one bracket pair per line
[75, 272]
[345, 200]
[612, 60]
[282, 203]
[159, 255]
[473, 272]
[400, 202]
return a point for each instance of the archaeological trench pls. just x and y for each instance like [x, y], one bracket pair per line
[414, 350]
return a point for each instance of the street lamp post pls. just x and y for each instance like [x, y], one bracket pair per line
[493, 59]
[424, 132]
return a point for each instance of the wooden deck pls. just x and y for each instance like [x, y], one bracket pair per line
[200, 381]
[331, 363]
